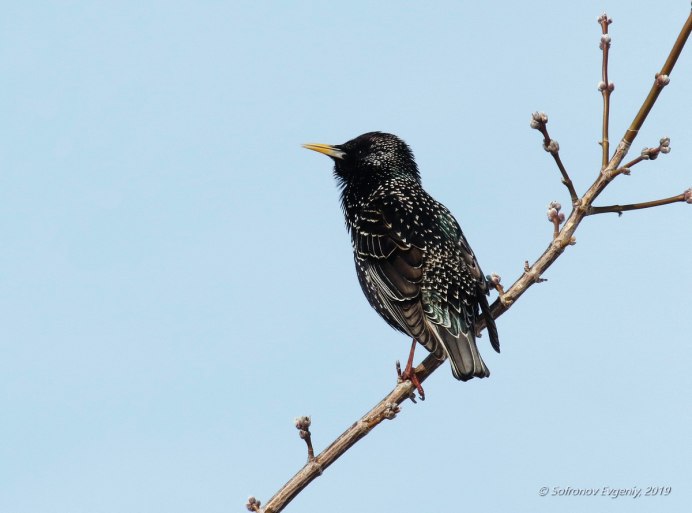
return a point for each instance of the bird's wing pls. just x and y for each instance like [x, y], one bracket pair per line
[452, 293]
[471, 281]
[413, 287]
[389, 258]
[449, 297]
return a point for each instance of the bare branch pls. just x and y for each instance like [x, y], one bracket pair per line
[386, 409]
[578, 213]
[389, 406]
[684, 197]
[604, 86]
[539, 120]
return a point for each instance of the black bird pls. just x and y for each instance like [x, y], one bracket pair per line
[412, 259]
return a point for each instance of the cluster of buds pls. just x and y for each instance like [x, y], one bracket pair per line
[253, 504]
[539, 120]
[556, 217]
[603, 87]
[688, 196]
[652, 153]
[604, 21]
[554, 213]
[303, 426]
[391, 409]
[551, 146]
[605, 42]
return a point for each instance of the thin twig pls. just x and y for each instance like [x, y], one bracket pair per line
[605, 87]
[539, 120]
[254, 505]
[303, 427]
[385, 409]
[646, 154]
[556, 217]
[637, 206]
[388, 407]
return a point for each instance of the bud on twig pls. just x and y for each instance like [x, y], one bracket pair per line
[652, 153]
[552, 146]
[603, 19]
[662, 80]
[605, 41]
[253, 504]
[303, 426]
[555, 216]
[391, 410]
[538, 120]
[664, 145]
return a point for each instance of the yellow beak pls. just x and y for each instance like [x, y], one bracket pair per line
[326, 149]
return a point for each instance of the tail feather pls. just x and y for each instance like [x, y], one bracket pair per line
[489, 322]
[463, 355]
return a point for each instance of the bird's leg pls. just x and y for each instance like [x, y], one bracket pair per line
[410, 374]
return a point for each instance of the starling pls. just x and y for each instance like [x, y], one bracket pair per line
[413, 262]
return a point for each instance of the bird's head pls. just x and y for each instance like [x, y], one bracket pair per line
[369, 158]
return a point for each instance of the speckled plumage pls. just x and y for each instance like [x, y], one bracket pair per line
[413, 262]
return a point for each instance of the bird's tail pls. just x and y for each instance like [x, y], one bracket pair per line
[489, 322]
[463, 355]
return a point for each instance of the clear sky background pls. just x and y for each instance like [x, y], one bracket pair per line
[177, 283]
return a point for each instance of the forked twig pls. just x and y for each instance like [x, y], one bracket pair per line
[646, 154]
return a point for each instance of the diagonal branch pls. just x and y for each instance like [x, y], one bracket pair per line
[389, 406]
[661, 80]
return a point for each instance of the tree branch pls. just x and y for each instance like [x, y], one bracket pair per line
[539, 120]
[604, 86]
[660, 81]
[388, 407]
[684, 197]
[646, 154]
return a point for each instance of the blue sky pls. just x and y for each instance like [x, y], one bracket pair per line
[178, 285]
